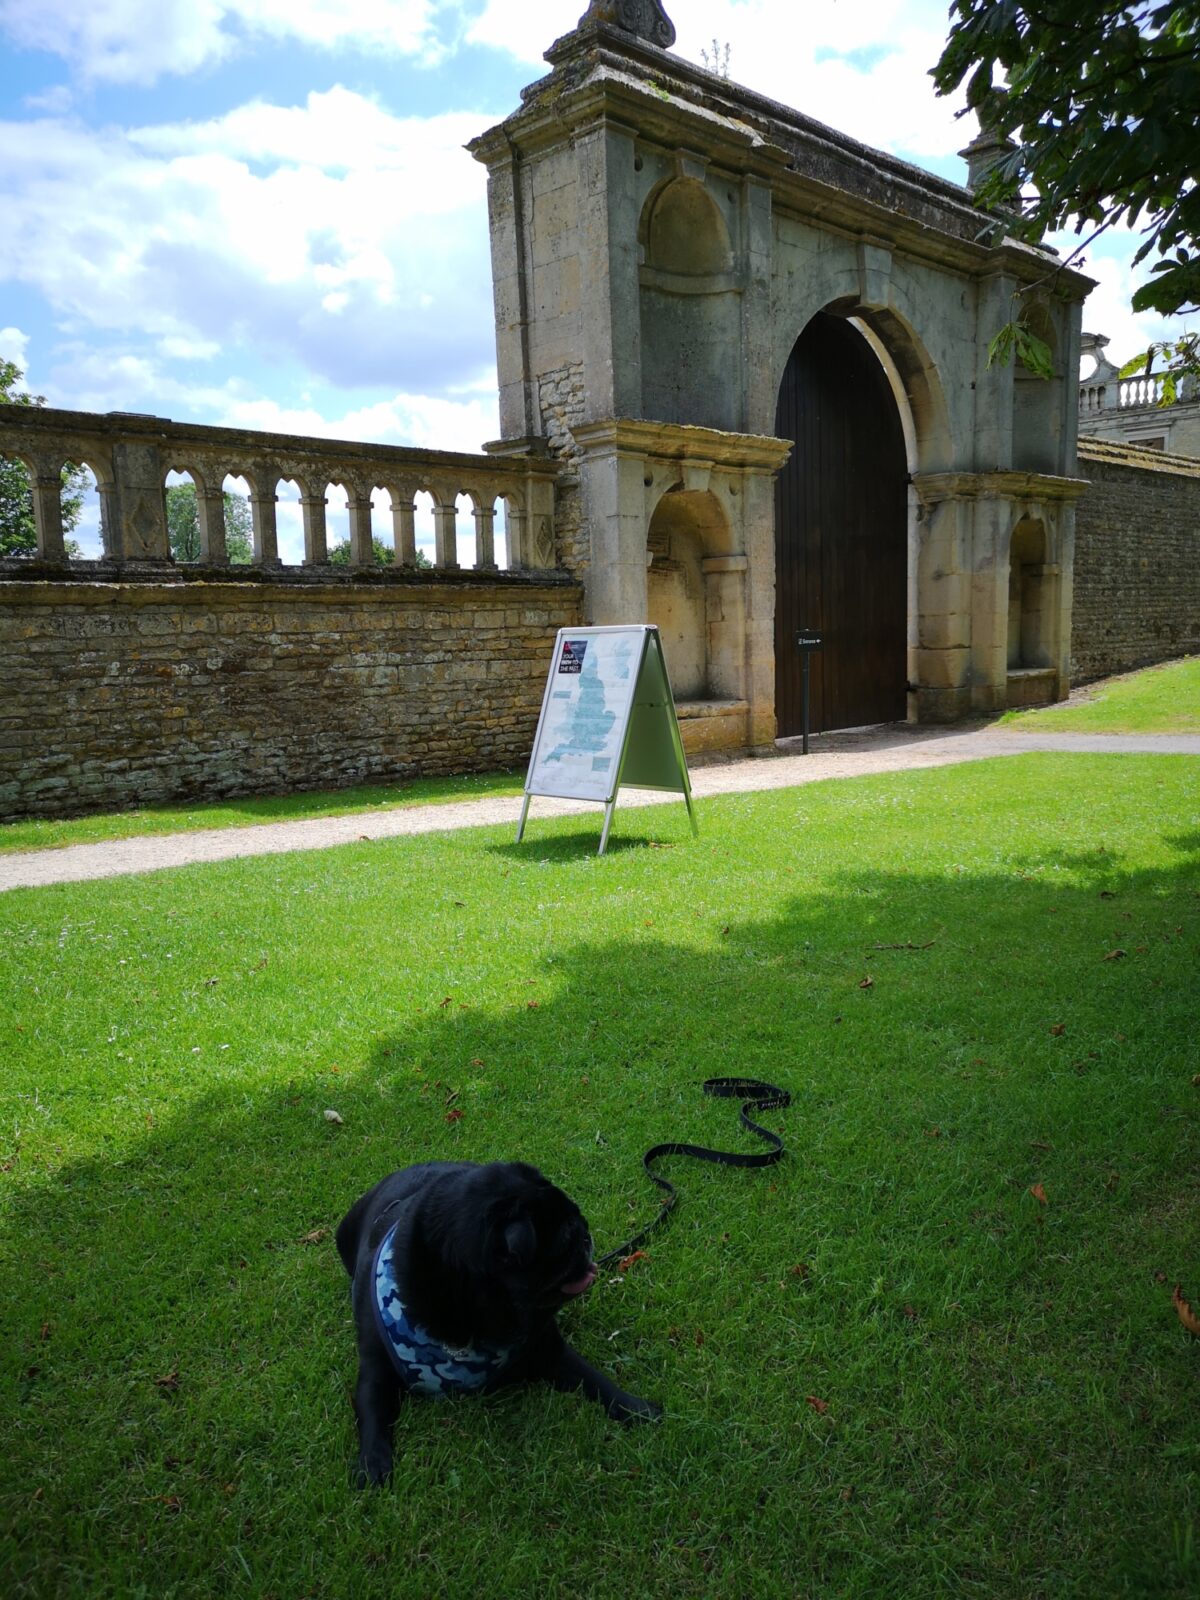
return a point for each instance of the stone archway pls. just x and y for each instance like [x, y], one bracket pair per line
[841, 534]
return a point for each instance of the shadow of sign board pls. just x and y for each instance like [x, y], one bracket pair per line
[608, 719]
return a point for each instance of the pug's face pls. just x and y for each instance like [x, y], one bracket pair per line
[539, 1244]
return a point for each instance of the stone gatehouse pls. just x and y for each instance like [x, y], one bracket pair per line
[744, 389]
[760, 350]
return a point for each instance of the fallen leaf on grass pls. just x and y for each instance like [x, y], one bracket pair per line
[801, 1269]
[169, 1382]
[1186, 1315]
[866, 983]
[1115, 955]
[448, 1001]
[819, 1406]
[1058, 1029]
[315, 1236]
[454, 1116]
[1038, 1193]
[908, 945]
[628, 1261]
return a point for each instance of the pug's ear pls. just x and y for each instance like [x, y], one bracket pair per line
[520, 1242]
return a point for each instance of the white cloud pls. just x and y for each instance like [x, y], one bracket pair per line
[136, 41]
[332, 234]
[13, 345]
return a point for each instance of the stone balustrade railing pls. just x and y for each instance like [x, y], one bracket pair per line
[130, 457]
[1125, 394]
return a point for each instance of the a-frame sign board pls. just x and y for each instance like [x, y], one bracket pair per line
[608, 718]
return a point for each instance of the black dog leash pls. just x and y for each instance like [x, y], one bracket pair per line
[756, 1096]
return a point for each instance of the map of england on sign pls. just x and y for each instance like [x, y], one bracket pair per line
[586, 710]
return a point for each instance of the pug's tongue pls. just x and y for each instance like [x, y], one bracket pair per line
[579, 1285]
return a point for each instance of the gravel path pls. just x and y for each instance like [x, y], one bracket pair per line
[834, 755]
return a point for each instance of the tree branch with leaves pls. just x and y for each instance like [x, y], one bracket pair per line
[1101, 103]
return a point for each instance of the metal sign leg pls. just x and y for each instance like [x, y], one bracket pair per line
[608, 816]
[687, 795]
[524, 814]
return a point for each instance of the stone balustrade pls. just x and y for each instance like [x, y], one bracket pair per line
[130, 456]
[1126, 394]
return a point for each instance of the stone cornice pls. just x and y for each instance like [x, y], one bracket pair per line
[605, 78]
[934, 487]
[674, 441]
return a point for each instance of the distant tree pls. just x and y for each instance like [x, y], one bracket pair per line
[1102, 101]
[183, 525]
[382, 554]
[18, 531]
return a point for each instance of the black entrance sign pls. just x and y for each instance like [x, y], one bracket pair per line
[807, 640]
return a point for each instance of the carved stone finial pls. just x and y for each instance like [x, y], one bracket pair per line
[645, 19]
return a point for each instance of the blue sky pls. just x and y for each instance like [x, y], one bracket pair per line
[259, 212]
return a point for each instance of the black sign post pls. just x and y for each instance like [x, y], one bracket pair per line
[807, 640]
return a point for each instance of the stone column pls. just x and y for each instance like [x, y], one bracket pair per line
[404, 533]
[995, 516]
[609, 286]
[210, 513]
[944, 562]
[316, 548]
[445, 534]
[994, 307]
[266, 538]
[485, 537]
[358, 504]
[725, 623]
[46, 484]
[758, 365]
[110, 522]
[141, 503]
[757, 494]
[614, 498]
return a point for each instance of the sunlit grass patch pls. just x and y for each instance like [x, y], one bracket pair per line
[931, 1352]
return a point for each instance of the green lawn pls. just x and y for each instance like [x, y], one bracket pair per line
[53, 833]
[975, 981]
[1162, 699]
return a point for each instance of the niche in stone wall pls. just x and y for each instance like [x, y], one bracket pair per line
[695, 596]
[690, 310]
[1029, 597]
[1038, 402]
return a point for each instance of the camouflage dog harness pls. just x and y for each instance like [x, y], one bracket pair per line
[424, 1365]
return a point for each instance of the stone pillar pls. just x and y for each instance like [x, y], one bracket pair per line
[614, 498]
[609, 285]
[762, 395]
[404, 533]
[110, 523]
[485, 537]
[358, 504]
[944, 562]
[46, 484]
[316, 547]
[507, 226]
[725, 624]
[140, 502]
[994, 307]
[266, 539]
[515, 525]
[995, 516]
[758, 538]
[445, 534]
[210, 514]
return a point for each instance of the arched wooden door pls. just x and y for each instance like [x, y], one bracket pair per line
[841, 534]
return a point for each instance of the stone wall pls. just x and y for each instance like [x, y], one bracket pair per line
[1137, 560]
[133, 693]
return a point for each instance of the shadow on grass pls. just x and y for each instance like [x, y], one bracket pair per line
[179, 1320]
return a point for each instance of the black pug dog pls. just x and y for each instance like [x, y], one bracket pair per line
[459, 1271]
